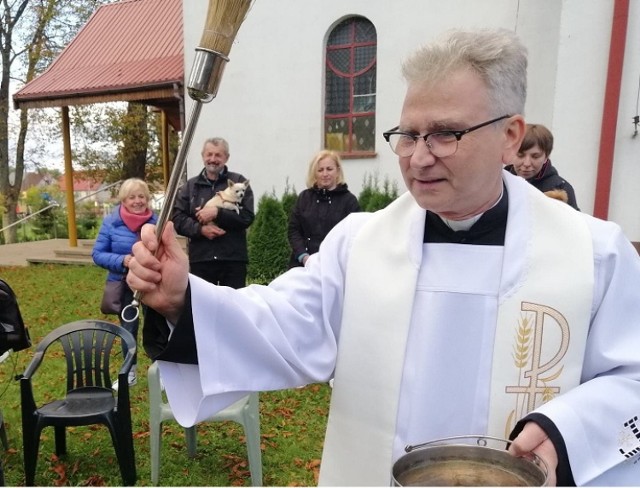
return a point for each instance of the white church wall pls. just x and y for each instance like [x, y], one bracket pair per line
[579, 95]
[542, 47]
[270, 104]
[625, 186]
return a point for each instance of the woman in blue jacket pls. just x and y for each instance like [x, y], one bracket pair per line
[112, 250]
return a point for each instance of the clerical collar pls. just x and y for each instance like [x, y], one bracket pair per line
[487, 228]
[466, 224]
[458, 225]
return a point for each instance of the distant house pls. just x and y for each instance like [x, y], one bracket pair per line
[87, 189]
[33, 180]
[37, 179]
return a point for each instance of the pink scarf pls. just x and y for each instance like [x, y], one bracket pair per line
[134, 221]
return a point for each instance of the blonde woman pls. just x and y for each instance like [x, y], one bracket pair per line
[112, 250]
[326, 201]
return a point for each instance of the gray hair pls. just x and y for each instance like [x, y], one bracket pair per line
[133, 185]
[217, 141]
[496, 55]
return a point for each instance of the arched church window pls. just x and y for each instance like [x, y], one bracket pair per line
[350, 87]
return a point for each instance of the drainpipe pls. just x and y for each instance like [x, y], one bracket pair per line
[610, 110]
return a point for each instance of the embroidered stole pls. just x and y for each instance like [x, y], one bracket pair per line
[553, 292]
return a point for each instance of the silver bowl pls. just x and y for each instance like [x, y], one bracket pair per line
[467, 461]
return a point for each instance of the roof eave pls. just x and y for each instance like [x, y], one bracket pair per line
[166, 90]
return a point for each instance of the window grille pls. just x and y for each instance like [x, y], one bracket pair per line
[350, 87]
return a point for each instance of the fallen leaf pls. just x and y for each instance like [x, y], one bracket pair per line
[61, 471]
[141, 435]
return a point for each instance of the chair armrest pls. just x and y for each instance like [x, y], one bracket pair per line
[33, 365]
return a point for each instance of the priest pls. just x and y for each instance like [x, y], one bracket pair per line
[473, 304]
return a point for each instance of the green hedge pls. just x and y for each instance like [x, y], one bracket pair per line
[373, 197]
[268, 243]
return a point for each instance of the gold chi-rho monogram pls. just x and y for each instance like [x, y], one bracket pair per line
[535, 381]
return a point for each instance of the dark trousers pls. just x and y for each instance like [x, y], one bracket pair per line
[223, 273]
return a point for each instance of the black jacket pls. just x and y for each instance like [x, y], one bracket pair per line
[549, 179]
[314, 214]
[232, 246]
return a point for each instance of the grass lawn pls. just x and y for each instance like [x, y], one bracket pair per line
[292, 421]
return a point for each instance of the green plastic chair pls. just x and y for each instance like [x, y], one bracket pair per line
[89, 399]
[244, 411]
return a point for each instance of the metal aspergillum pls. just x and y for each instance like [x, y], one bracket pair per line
[224, 18]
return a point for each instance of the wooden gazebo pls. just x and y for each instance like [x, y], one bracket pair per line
[127, 51]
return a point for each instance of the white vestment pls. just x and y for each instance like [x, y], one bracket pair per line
[287, 334]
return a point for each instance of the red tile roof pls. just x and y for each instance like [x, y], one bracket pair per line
[130, 50]
[80, 183]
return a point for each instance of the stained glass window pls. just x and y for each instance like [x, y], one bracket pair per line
[350, 87]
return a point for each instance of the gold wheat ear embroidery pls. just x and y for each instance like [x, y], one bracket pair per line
[523, 340]
[521, 354]
[548, 392]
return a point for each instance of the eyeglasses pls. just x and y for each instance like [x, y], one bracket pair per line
[441, 143]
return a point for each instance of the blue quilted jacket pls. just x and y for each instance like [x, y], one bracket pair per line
[113, 243]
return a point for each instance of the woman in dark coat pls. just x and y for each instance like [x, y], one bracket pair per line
[326, 201]
[534, 165]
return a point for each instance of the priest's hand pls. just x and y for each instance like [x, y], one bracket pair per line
[160, 271]
[534, 440]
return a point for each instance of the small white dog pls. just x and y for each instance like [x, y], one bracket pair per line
[230, 197]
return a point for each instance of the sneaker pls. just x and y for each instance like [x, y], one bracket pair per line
[133, 378]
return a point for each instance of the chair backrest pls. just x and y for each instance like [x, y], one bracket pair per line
[87, 345]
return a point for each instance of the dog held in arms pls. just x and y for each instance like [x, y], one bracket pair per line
[229, 198]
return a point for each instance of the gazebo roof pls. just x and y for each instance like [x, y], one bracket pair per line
[127, 51]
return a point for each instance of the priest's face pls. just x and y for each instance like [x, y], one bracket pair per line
[468, 181]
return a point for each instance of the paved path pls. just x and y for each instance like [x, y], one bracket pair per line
[17, 254]
[55, 251]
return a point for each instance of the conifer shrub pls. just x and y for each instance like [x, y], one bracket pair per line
[373, 197]
[288, 199]
[267, 241]
[368, 189]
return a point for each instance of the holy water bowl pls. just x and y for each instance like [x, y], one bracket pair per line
[467, 461]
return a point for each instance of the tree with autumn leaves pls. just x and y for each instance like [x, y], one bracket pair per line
[112, 141]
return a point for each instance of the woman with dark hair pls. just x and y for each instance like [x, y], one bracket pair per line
[534, 165]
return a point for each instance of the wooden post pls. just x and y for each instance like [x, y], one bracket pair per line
[68, 178]
[166, 170]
